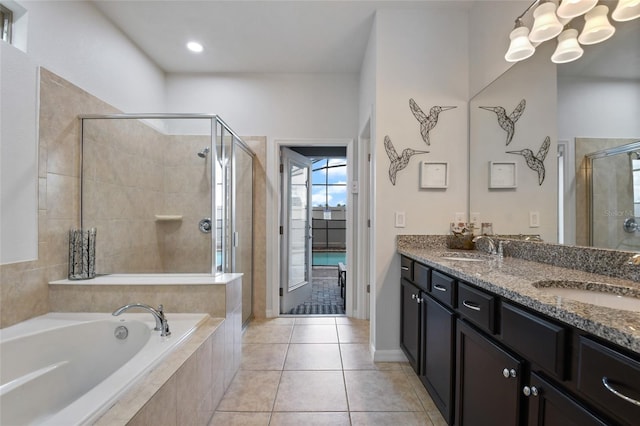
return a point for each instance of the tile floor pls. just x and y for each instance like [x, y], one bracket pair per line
[318, 371]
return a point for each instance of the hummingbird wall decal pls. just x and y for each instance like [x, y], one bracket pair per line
[427, 122]
[508, 122]
[398, 162]
[536, 162]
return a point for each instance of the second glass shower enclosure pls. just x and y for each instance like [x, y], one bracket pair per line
[168, 193]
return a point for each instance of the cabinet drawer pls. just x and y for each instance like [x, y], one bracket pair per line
[443, 288]
[477, 306]
[421, 276]
[610, 380]
[540, 341]
[406, 268]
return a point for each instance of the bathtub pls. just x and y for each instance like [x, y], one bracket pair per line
[69, 368]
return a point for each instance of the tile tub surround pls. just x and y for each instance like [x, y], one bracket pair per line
[512, 278]
[184, 389]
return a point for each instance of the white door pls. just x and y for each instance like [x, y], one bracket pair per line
[295, 242]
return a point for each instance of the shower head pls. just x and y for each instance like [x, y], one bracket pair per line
[204, 152]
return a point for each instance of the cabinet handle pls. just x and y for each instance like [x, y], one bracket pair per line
[509, 373]
[470, 305]
[439, 287]
[413, 296]
[610, 388]
[530, 391]
[404, 268]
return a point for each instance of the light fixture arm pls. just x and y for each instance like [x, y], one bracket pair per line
[519, 18]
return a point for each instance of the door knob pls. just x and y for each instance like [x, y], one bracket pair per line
[205, 225]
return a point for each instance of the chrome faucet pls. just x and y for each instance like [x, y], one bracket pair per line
[162, 325]
[490, 241]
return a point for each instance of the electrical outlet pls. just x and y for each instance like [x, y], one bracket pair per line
[475, 219]
[400, 220]
[458, 217]
[534, 219]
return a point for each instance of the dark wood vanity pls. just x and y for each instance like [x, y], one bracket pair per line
[488, 360]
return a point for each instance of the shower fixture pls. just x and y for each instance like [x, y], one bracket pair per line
[204, 152]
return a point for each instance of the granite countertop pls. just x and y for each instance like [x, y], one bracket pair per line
[512, 278]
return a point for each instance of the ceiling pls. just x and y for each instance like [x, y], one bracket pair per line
[301, 36]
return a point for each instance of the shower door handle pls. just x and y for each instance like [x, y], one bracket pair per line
[205, 225]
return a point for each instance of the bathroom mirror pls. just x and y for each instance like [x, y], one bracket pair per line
[595, 97]
[147, 189]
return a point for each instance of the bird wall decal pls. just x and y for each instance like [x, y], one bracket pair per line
[427, 123]
[398, 162]
[536, 162]
[508, 122]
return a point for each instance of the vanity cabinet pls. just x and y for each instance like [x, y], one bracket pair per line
[488, 381]
[486, 360]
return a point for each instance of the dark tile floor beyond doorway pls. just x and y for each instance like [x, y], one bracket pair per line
[325, 294]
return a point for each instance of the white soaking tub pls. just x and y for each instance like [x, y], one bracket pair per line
[69, 368]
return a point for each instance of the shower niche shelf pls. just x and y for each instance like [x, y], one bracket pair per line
[168, 217]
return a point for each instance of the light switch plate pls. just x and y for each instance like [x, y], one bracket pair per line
[400, 220]
[534, 219]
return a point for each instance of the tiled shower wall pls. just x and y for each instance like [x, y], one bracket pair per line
[24, 291]
[133, 174]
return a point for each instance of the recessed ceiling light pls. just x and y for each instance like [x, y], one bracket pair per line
[194, 46]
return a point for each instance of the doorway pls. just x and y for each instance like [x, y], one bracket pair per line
[329, 235]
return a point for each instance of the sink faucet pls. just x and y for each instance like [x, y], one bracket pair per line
[490, 241]
[162, 324]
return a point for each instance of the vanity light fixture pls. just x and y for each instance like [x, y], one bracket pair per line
[626, 10]
[597, 27]
[569, 9]
[195, 47]
[568, 47]
[520, 47]
[546, 25]
[550, 20]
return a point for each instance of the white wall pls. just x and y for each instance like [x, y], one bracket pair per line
[421, 54]
[272, 105]
[598, 108]
[75, 41]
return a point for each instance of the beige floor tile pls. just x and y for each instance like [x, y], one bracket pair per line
[251, 391]
[267, 334]
[390, 418]
[315, 320]
[353, 333]
[436, 418]
[313, 356]
[226, 418]
[351, 321]
[311, 391]
[374, 390]
[263, 356]
[314, 334]
[421, 392]
[273, 321]
[310, 419]
[356, 356]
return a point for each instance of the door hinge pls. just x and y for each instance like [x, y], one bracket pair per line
[369, 157]
[281, 292]
[281, 168]
[368, 223]
[368, 288]
[281, 230]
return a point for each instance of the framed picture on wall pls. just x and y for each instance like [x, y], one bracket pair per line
[502, 174]
[434, 175]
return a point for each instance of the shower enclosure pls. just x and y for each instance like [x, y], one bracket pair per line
[613, 197]
[168, 193]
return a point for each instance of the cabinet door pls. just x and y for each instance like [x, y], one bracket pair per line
[548, 406]
[438, 360]
[410, 323]
[488, 381]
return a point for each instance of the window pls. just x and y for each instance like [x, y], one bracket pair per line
[329, 182]
[6, 22]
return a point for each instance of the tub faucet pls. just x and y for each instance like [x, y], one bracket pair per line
[162, 325]
[490, 241]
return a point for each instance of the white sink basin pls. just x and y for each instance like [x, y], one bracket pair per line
[599, 294]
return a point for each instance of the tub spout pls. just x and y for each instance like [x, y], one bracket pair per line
[162, 324]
